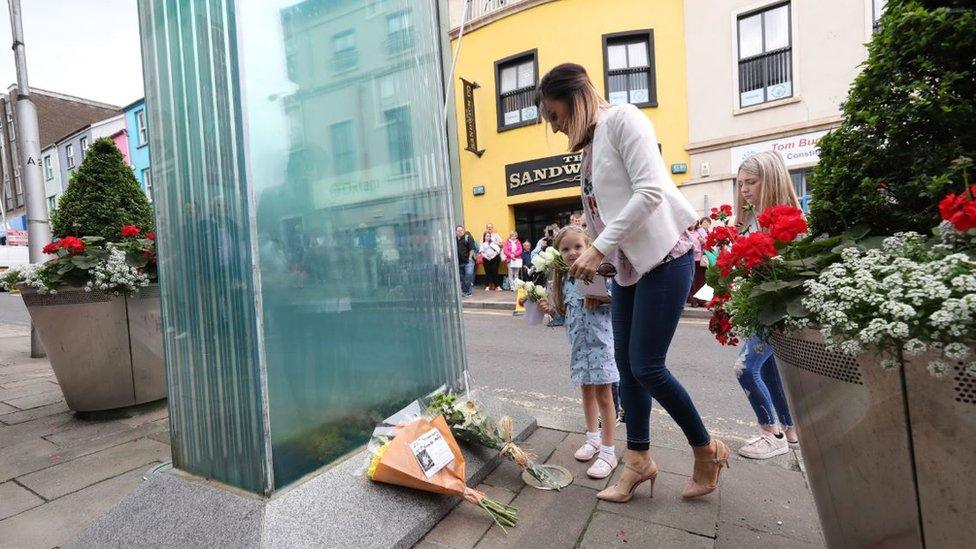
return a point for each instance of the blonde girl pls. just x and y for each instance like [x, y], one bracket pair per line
[592, 367]
[763, 182]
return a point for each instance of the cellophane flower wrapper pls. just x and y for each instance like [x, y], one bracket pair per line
[392, 461]
[469, 422]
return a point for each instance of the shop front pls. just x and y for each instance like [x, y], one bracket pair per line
[525, 180]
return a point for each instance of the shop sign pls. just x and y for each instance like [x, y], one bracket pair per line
[542, 174]
[470, 127]
[679, 167]
[479, 190]
[797, 150]
[16, 237]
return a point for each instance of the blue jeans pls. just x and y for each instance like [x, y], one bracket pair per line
[466, 279]
[645, 317]
[757, 373]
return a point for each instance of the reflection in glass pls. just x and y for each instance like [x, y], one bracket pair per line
[357, 277]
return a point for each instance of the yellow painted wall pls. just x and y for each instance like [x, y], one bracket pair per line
[561, 31]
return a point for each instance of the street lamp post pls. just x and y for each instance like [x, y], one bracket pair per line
[38, 229]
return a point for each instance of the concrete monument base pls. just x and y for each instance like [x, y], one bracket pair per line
[337, 507]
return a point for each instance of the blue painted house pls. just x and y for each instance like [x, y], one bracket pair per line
[138, 133]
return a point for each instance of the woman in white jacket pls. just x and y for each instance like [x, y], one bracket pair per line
[637, 218]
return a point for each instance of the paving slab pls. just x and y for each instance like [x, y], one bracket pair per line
[13, 383]
[16, 499]
[769, 499]
[70, 476]
[89, 446]
[37, 428]
[542, 443]
[26, 457]
[563, 455]
[5, 409]
[32, 389]
[736, 537]
[466, 524]
[699, 516]
[56, 522]
[546, 519]
[37, 400]
[86, 429]
[21, 416]
[610, 530]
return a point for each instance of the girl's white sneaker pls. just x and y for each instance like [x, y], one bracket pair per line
[603, 466]
[587, 451]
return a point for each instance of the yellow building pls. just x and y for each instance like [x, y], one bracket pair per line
[514, 172]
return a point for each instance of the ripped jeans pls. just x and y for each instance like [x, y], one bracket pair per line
[757, 373]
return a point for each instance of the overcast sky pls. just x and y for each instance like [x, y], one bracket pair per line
[86, 48]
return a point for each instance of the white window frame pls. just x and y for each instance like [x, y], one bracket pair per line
[147, 183]
[795, 15]
[69, 155]
[83, 145]
[48, 171]
[142, 136]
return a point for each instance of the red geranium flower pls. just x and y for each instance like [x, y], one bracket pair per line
[770, 215]
[51, 248]
[73, 244]
[786, 229]
[720, 236]
[151, 236]
[130, 230]
[748, 252]
[721, 213]
[960, 210]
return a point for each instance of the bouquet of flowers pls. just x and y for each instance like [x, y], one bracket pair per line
[468, 422]
[534, 293]
[422, 454]
[549, 260]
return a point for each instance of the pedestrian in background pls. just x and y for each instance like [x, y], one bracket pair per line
[526, 259]
[763, 182]
[491, 259]
[472, 263]
[639, 218]
[512, 256]
[465, 253]
[701, 264]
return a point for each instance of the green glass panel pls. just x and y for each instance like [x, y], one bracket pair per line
[347, 156]
[218, 416]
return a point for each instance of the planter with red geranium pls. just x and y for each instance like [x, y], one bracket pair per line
[95, 306]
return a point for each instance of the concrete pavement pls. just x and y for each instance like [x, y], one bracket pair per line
[59, 470]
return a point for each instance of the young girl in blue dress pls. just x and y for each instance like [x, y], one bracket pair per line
[592, 366]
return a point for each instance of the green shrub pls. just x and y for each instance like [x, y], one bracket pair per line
[910, 113]
[103, 195]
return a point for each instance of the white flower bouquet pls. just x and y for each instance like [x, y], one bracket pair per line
[549, 260]
[534, 293]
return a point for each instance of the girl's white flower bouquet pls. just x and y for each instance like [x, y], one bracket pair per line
[533, 292]
[549, 260]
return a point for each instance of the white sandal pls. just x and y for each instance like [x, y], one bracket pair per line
[587, 451]
[603, 467]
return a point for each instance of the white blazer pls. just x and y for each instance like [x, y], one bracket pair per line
[642, 208]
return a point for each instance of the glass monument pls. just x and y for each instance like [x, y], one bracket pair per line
[303, 198]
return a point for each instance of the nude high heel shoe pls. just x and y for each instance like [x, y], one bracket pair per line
[616, 496]
[718, 456]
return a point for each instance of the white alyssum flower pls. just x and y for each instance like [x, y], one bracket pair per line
[938, 368]
[956, 351]
[902, 296]
[116, 276]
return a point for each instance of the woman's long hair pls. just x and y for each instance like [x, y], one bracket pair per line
[570, 83]
[776, 187]
[556, 296]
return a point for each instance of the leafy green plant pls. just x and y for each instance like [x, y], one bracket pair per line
[910, 112]
[102, 196]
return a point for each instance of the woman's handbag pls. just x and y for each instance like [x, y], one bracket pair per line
[479, 259]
